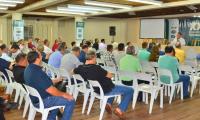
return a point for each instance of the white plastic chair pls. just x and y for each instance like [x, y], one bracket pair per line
[81, 87]
[102, 97]
[193, 78]
[41, 109]
[172, 85]
[65, 74]
[149, 88]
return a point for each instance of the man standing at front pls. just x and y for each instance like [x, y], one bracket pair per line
[179, 38]
[38, 79]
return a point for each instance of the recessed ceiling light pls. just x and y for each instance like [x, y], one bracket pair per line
[7, 4]
[105, 4]
[75, 10]
[63, 12]
[13, 1]
[91, 8]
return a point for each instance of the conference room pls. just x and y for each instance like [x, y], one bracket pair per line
[99, 59]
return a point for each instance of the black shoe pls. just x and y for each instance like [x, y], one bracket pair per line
[186, 97]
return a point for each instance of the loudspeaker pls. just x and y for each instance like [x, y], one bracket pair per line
[112, 30]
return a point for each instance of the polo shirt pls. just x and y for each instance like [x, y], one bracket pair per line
[129, 63]
[6, 57]
[96, 73]
[55, 59]
[47, 50]
[4, 65]
[118, 55]
[143, 55]
[18, 73]
[180, 54]
[69, 62]
[82, 57]
[170, 63]
[35, 77]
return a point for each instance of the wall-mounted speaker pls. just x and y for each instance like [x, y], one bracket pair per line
[112, 30]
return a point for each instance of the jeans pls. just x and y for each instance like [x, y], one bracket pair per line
[127, 94]
[186, 81]
[59, 101]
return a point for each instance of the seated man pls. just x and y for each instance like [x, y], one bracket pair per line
[18, 69]
[70, 60]
[91, 71]
[143, 54]
[38, 79]
[180, 53]
[169, 62]
[82, 54]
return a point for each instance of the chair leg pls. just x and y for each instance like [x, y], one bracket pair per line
[165, 88]
[86, 95]
[45, 115]
[21, 99]
[151, 102]
[182, 91]
[192, 88]
[26, 107]
[32, 112]
[135, 96]
[103, 108]
[172, 94]
[17, 95]
[75, 95]
[161, 98]
[169, 90]
[146, 98]
[90, 104]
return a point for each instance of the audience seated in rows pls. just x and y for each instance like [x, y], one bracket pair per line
[51, 96]
[96, 44]
[55, 58]
[91, 71]
[45, 57]
[143, 54]
[154, 56]
[47, 50]
[102, 45]
[170, 62]
[55, 45]
[179, 53]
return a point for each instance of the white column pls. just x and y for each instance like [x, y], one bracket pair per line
[16, 16]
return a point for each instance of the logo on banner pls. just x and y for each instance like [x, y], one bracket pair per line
[194, 29]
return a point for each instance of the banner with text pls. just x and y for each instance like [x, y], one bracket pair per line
[18, 30]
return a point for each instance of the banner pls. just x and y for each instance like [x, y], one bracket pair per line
[79, 30]
[173, 28]
[18, 30]
[190, 28]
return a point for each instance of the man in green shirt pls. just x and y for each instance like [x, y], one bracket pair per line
[129, 63]
[143, 54]
[170, 62]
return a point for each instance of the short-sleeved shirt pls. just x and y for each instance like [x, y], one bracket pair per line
[6, 57]
[170, 63]
[82, 57]
[38, 79]
[143, 55]
[55, 59]
[118, 55]
[18, 72]
[129, 63]
[69, 62]
[95, 72]
[4, 65]
[180, 54]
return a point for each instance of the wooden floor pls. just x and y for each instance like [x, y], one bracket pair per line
[179, 110]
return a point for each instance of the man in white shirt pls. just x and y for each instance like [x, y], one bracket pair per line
[102, 45]
[179, 38]
[4, 53]
[47, 50]
[15, 50]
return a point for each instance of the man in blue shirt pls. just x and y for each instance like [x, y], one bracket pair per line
[83, 53]
[38, 79]
[55, 58]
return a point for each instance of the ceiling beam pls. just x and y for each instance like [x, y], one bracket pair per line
[37, 5]
[150, 7]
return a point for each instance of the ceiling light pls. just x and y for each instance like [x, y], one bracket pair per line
[75, 10]
[91, 8]
[153, 2]
[13, 1]
[105, 4]
[7, 4]
[63, 12]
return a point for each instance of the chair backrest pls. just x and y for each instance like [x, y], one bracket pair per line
[97, 85]
[65, 74]
[149, 67]
[3, 79]
[33, 92]
[112, 70]
[78, 77]
[164, 72]
[10, 75]
[187, 69]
